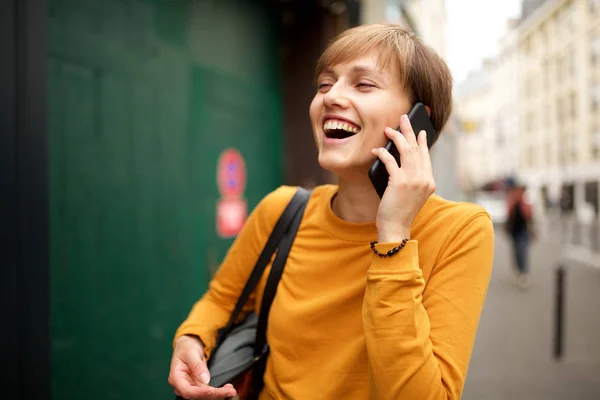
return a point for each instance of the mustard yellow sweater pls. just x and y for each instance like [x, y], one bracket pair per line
[346, 324]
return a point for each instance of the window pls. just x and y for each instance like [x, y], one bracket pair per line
[559, 68]
[558, 28]
[527, 46]
[529, 87]
[543, 34]
[596, 144]
[529, 122]
[594, 5]
[594, 48]
[529, 160]
[545, 114]
[562, 155]
[561, 111]
[572, 66]
[573, 147]
[573, 101]
[595, 98]
[570, 16]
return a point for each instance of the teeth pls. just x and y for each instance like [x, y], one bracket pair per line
[329, 125]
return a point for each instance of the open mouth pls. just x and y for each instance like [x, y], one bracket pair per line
[337, 129]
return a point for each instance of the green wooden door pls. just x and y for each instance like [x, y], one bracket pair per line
[143, 96]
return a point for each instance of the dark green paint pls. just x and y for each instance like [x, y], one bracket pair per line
[143, 97]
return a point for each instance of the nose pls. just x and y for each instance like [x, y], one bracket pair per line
[336, 96]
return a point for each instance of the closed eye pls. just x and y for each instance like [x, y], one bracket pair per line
[324, 87]
[366, 85]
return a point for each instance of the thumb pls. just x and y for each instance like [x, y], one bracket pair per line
[200, 370]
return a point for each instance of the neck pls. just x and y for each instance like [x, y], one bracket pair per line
[356, 201]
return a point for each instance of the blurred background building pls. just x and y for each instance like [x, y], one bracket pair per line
[561, 151]
[539, 123]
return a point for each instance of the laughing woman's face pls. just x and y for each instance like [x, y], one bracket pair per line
[354, 103]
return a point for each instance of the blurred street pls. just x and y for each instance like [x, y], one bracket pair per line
[513, 354]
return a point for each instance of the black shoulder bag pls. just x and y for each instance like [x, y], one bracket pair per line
[241, 349]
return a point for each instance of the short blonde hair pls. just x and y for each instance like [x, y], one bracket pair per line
[423, 73]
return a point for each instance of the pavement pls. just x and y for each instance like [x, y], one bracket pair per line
[513, 354]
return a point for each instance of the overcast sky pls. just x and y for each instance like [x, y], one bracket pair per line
[473, 30]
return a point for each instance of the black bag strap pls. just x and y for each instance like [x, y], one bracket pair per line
[273, 280]
[281, 227]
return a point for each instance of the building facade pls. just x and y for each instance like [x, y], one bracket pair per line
[559, 148]
[487, 104]
[474, 106]
[538, 117]
[506, 104]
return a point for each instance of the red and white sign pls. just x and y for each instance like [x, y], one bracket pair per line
[231, 216]
[231, 173]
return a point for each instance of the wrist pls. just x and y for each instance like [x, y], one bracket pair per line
[395, 236]
[190, 339]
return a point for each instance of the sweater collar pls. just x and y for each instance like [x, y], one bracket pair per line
[351, 231]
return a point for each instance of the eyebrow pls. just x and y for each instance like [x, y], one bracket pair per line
[364, 68]
[356, 69]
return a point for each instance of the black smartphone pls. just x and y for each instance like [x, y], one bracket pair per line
[420, 121]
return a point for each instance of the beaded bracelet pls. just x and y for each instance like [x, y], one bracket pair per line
[392, 251]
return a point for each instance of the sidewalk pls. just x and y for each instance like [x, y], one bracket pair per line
[512, 358]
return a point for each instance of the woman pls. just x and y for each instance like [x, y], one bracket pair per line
[348, 322]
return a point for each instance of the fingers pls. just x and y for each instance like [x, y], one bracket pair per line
[409, 154]
[407, 130]
[398, 138]
[416, 160]
[205, 392]
[387, 159]
[425, 156]
[200, 372]
[192, 360]
[189, 374]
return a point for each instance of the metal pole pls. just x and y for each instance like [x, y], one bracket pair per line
[559, 313]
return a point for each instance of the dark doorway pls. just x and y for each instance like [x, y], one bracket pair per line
[24, 336]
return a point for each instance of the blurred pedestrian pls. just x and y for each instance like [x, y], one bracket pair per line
[380, 298]
[520, 230]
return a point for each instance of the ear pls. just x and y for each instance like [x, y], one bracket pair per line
[428, 111]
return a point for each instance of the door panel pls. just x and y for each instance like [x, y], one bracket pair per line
[143, 97]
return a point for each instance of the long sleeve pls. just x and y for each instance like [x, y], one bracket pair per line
[420, 336]
[212, 311]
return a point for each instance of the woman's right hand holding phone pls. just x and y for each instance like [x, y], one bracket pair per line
[189, 374]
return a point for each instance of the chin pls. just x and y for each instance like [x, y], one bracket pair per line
[344, 167]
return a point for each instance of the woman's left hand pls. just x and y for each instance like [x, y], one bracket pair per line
[409, 185]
